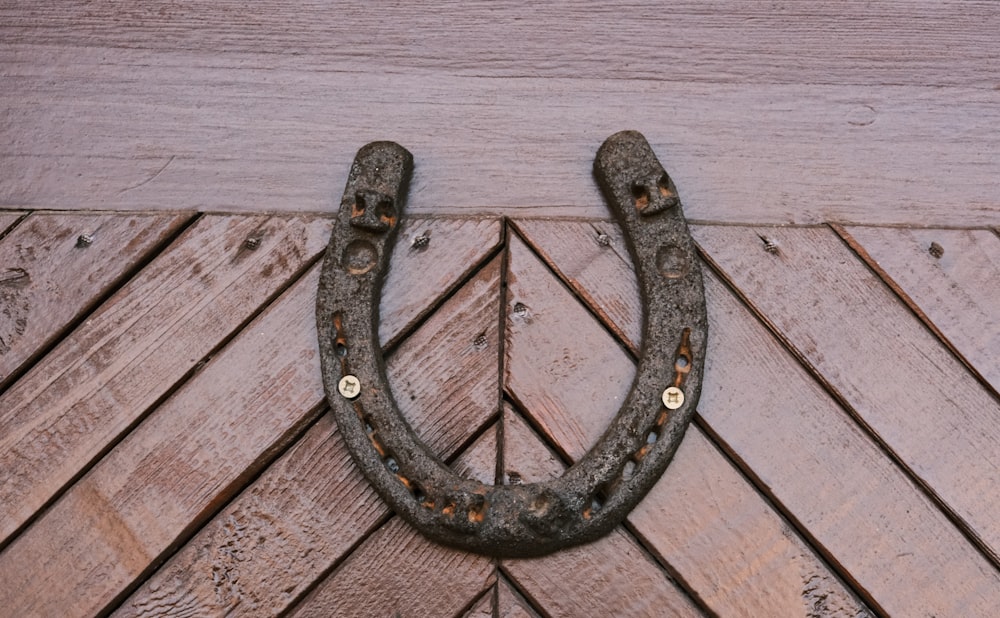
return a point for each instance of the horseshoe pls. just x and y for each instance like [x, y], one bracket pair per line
[598, 491]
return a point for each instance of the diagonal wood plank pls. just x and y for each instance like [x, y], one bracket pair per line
[703, 517]
[955, 290]
[434, 254]
[583, 255]
[396, 571]
[894, 373]
[753, 383]
[484, 607]
[309, 508]
[7, 219]
[48, 280]
[613, 576]
[510, 603]
[166, 477]
[102, 378]
[552, 369]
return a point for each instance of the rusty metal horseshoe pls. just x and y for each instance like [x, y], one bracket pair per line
[599, 490]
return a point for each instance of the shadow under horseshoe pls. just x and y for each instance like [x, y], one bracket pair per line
[601, 488]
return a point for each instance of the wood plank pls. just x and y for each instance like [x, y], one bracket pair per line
[397, 571]
[7, 219]
[49, 282]
[510, 603]
[922, 563]
[184, 131]
[448, 250]
[300, 517]
[558, 358]
[483, 608]
[104, 377]
[589, 258]
[894, 373]
[955, 291]
[613, 576]
[169, 474]
[843, 43]
[703, 513]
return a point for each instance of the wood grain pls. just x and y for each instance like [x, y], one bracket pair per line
[589, 258]
[510, 603]
[300, 517]
[247, 116]
[169, 474]
[47, 282]
[397, 571]
[703, 518]
[454, 247]
[483, 608]
[956, 292]
[752, 383]
[557, 360]
[894, 373]
[8, 218]
[613, 576]
[101, 379]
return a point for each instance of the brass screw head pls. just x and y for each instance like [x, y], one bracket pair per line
[349, 387]
[673, 398]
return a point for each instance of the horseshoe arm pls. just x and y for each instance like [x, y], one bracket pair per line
[600, 489]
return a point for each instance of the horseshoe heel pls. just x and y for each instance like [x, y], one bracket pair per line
[599, 490]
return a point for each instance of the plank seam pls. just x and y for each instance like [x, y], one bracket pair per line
[241, 483]
[873, 265]
[664, 566]
[953, 517]
[431, 308]
[88, 309]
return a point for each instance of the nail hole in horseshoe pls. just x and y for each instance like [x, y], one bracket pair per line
[640, 195]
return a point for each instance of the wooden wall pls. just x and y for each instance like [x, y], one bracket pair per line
[778, 112]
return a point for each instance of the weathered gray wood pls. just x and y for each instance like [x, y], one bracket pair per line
[884, 112]
[101, 379]
[795, 439]
[47, 281]
[900, 379]
[958, 292]
[396, 571]
[300, 517]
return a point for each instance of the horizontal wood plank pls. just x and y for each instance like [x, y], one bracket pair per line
[842, 43]
[259, 130]
[300, 517]
[397, 571]
[899, 379]
[703, 518]
[954, 290]
[104, 377]
[48, 279]
[752, 382]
